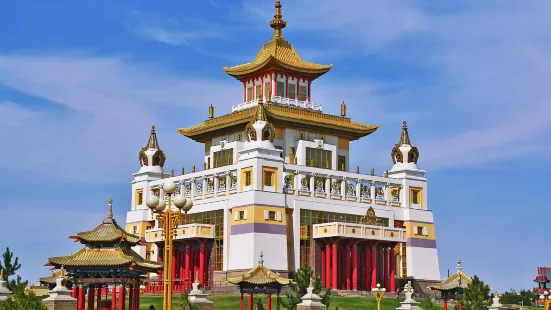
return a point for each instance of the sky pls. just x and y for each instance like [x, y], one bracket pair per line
[81, 83]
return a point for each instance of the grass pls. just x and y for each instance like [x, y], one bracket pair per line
[232, 302]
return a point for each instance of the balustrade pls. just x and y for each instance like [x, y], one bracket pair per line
[279, 100]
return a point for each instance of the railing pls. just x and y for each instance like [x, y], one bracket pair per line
[279, 100]
[182, 232]
[360, 231]
[155, 286]
[342, 185]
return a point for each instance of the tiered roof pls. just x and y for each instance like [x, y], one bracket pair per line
[458, 280]
[260, 275]
[51, 280]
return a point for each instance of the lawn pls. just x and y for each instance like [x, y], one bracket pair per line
[232, 302]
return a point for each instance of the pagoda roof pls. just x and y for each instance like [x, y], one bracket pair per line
[107, 231]
[52, 278]
[260, 275]
[101, 257]
[458, 280]
[283, 115]
[278, 53]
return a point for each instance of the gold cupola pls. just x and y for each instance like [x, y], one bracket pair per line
[151, 154]
[403, 153]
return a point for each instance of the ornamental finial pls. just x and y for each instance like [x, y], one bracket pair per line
[211, 111]
[261, 261]
[278, 23]
[459, 267]
[404, 137]
[343, 109]
[109, 217]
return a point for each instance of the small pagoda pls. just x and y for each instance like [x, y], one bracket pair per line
[106, 261]
[453, 286]
[260, 280]
[50, 281]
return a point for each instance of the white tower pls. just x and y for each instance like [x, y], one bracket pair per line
[421, 252]
[152, 160]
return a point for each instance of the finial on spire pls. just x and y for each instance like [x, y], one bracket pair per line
[196, 276]
[404, 137]
[109, 217]
[278, 23]
[260, 112]
[459, 267]
[152, 143]
[171, 172]
[343, 109]
[211, 111]
[261, 261]
[372, 171]
[269, 94]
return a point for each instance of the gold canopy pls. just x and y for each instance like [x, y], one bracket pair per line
[260, 275]
[456, 281]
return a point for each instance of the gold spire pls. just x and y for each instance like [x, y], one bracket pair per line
[278, 23]
[211, 111]
[152, 143]
[109, 217]
[343, 109]
[404, 137]
[260, 112]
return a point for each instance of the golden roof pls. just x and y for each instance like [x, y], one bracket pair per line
[108, 231]
[282, 115]
[260, 275]
[278, 53]
[51, 279]
[102, 257]
[456, 281]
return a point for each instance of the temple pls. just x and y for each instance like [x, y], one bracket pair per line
[276, 178]
[452, 287]
[542, 281]
[105, 263]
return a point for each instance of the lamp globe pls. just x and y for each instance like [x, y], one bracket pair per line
[161, 206]
[169, 187]
[180, 201]
[152, 201]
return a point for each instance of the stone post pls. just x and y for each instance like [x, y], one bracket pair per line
[311, 301]
[495, 305]
[60, 297]
[409, 303]
[199, 298]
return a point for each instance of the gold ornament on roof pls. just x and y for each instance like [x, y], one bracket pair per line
[369, 218]
[343, 109]
[278, 23]
[211, 111]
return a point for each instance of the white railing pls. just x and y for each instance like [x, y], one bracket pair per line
[187, 231]
[361, 231]
[282, 101]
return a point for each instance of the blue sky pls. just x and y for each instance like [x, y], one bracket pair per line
[82, 82]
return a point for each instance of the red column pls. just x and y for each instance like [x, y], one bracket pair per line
[245, 91]
[138, 298]
[373, 266]
[392, 270]
[90, 298]
[80, 298]
[287, 86]
[347, 266]
[98, 295]
[460, 304]
[385, 267]
[328, 266]
[160, 260]
[202, 263]
[445, 304]
[241, 302]
[122, 299]
[74, 292]
[250, 306]
[187, 266]
[130, 298]
[173, 267]
[309, 85]
[269, 302]
[367, 255]
[182, 269]
[355, 267]
[113, 297]
[323, 279]
[335, 266]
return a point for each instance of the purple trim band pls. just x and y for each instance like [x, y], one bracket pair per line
[258, 228]
[421, 243]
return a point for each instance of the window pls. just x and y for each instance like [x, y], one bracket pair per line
[280, 89]
[248, 178]
[135, 230]
[139, 197]
[302, 93]
[415, 197]
[258, 90]
[318, 158]
[249, 93]
[280, 148]
[271, 215]
[419, 230]
[292, 159]
[342, 163]
[223, 158]
[267, 89]
[302, 135]
[241, 215]
[148, 228]
[208, 162]
[237, 136]
[292, 91]
[268, 176]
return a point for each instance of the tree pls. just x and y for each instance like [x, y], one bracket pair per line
[7, 267]
[20, 300]
[301, 281]
[17, 284]
[524, 297]
[427, 303]
[185, 304]
[475, 295]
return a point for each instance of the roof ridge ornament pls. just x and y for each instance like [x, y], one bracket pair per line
[404, 137]
[278, 23]
[109, 218]
[459, 267]
[261, 261]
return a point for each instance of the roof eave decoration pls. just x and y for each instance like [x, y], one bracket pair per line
[260, 275]
[101, 258]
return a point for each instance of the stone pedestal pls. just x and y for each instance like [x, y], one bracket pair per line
[60, 297]
[4, 291]
[495, 304]
[199, 298]
[311, 301]
[409, 303]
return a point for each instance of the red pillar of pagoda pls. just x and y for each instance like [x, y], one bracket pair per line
[373, 266]
[98, 296]
[74, 291]
[328, 266]
[385, 267]
[335, 266]
[347, 266]
[323, 280]
[241, 302]
[80, 301]
[355, 266]
[182, 266]
[367, 255]
[174, 262]
[113, 297]
[392, 270]
[90, 297]
[309, 86]
[122, 298]
[460, 304]
[130, 298]
[159, 260]
[445, 304]
[187, 276]
[250, 305]
[202, 263]
[269, 302]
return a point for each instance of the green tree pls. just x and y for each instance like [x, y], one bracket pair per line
[20, 300]
[17, 284]
[524, 297]
[475, 295]
[185, 304]
[427, 303]
[9, 266]
[301, 281]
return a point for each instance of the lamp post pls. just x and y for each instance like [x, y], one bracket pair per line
[168, 221]
[546, 300]
[379, 293]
